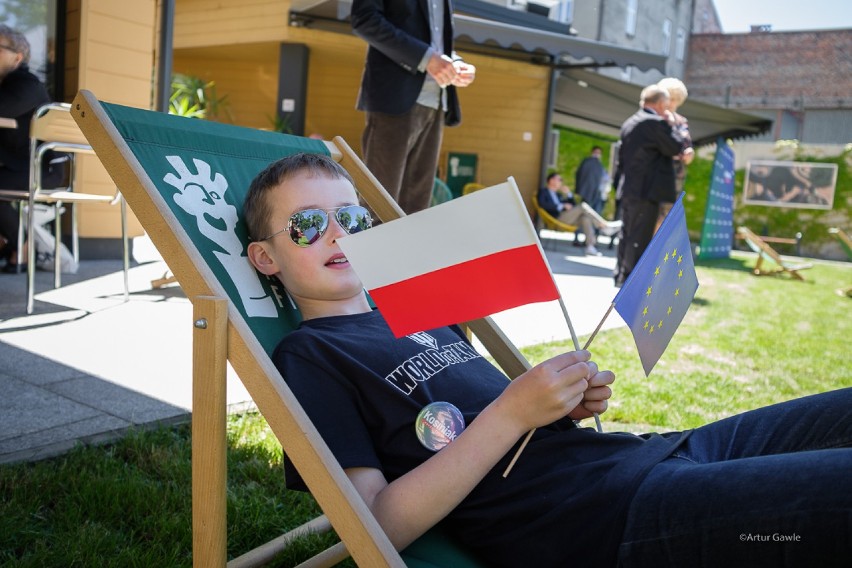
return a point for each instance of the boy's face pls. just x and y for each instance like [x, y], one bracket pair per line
[317, 276]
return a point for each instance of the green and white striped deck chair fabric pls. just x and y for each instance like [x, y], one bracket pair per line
[185, 180]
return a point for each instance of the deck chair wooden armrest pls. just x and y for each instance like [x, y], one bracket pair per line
[176, 173]
[767, 253]
[842, 238]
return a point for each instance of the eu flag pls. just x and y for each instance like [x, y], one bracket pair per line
[656, 295]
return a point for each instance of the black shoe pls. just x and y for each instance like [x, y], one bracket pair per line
[12, 268]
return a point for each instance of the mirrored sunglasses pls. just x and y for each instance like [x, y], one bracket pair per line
[307, 226]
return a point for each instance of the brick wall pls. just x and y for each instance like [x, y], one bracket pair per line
[780, 70]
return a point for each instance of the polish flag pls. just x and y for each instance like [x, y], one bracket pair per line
[459, 261]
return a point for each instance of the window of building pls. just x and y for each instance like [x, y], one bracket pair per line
[680, 44]
[667, 37]
[632, 15]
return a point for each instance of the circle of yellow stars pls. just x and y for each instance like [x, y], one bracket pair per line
[678, 259]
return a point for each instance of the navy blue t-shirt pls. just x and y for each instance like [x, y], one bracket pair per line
[566, 498]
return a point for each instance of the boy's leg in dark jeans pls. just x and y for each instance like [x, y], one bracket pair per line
[771, 487]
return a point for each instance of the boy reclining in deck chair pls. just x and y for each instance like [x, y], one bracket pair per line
[424, 427]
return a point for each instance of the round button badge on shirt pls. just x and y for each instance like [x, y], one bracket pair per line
[438, 424]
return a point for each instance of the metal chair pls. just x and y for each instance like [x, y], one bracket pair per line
[53, 130]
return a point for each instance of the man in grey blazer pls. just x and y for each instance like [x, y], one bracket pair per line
[408, 91]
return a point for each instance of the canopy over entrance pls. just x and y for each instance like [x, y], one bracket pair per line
[597, 103]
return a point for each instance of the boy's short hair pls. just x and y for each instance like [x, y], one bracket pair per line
[256, 208]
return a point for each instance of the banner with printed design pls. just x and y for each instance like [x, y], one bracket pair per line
[717, 234]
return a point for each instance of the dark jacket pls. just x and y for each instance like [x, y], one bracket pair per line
[397, 32]
[21, 93]
[648, 143]
[553, 206]
[587, 180]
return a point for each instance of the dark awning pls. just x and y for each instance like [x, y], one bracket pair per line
[495, 37]
[528, 40]
[592, 101]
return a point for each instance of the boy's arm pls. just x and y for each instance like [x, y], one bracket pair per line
[410, 505]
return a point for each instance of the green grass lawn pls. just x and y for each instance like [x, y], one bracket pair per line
[746, 341]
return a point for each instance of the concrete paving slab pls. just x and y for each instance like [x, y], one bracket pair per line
[26, 408]
[112, 399]
[31, 367]
[61, 438]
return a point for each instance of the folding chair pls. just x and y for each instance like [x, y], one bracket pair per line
[53, 129]
[846, 244]
[844, 240]
[471, 187]
[185, 180]
[767, 253]
[548, 221]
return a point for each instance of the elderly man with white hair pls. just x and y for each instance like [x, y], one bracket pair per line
[677, 96]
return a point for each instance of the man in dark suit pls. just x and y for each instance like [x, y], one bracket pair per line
[408, 91]
[648, 144]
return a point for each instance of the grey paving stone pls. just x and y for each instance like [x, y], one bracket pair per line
[116, 400]
[31, 367]
[26, 408]
[59, 439]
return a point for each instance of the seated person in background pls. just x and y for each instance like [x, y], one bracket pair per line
[556, 198]
[424, 427]
[21, 93]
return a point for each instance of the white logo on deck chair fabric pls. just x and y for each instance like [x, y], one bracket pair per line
[202, 195]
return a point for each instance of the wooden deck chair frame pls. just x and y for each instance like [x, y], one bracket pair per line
[766, 252]
[846, 244]
[221, 331]
[53, 129]
[842, 238]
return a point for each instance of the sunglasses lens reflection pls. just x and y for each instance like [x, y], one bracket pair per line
[354, 219]
[306, 227]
